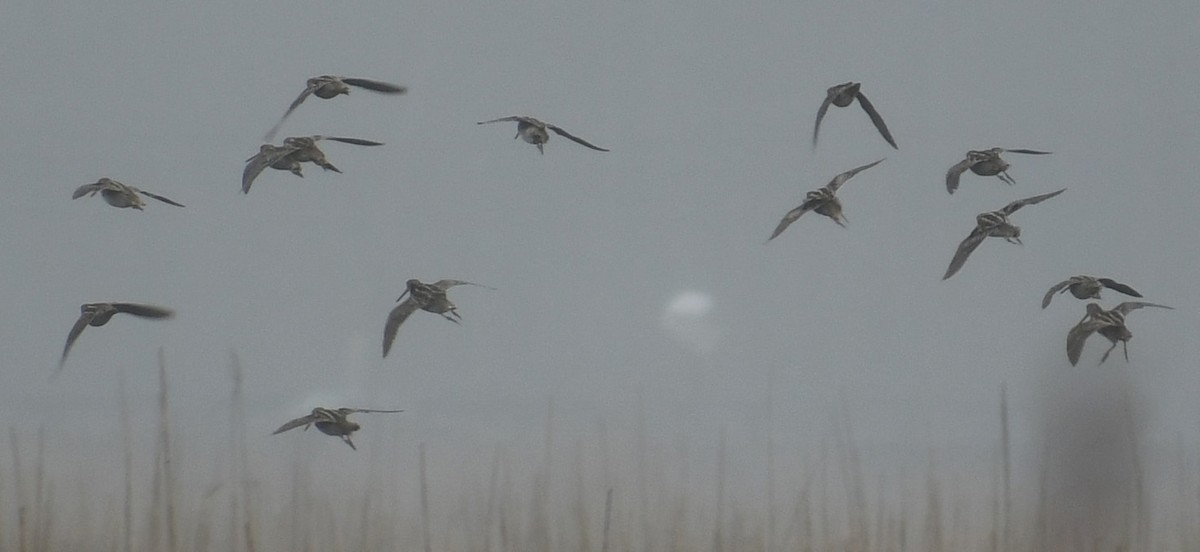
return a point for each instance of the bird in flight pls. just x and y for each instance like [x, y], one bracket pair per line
[535, 132]
[822, 200]
[993, 224]
[98, 314]
[1109, 323]
[331, 422]
[1087, 287]
[294, 151]
[426, 297]
[119, 195]
[985, 163]
[841, 96]
[329, 86]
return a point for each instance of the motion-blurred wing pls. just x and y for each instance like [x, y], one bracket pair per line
[573, 138]
[821, 115]
[1055, 289]
[394, 320]
[955, 173]
[1014, 206]
[1118, 287]
[377, 86]
[964, 250]
[145, 311]
[301, 421]
[876, 119]
[842, 178]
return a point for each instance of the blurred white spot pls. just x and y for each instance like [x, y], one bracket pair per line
[688, 317]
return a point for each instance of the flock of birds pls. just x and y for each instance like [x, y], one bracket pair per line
[431, 297]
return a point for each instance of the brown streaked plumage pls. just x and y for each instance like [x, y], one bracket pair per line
[331, 422]
[535, 132]
[993, 224]
[1086, 287]
[294, 151]
[1108, 323]
[119, 195]
[841, 96]
[985, 163]
[822, 200]
[329, 86]
[98, 314]
[426, 297]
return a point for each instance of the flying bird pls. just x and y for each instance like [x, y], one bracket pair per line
[985, 163]
[993, 224]
[535, 132]
[331, 422]
[426, 297]
[294, 151]
[822, 200]
[118, 195]
[98, 314]
[329, 86]
[842, 95]
[1109, 323]
[1086, 287]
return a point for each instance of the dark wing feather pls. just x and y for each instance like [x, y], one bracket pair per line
[377, 86]
[160, 198]
[145, 311]
[257, 164]
[1029, 151]
[821, 115]
[573, 138]
[1119, 287]
[1055, 289]
[84, 319]
[447, 284]
[394, 319]
[1127, 306]
[965, 249]
[1012, 207]
[308, 90]
[372, 410]
[355, 141]
[955, 173]
[877, 119]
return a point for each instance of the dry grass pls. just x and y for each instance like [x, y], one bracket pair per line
[578, 498]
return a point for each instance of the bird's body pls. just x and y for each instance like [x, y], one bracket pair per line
[329, 86]
[289, 156]
[422, 296]
[334, 422]
[985, 163]
[1108, 323]
[537, 133]
[98, 314]
[1086, 287]
[993, 224]
[119, 195]
[823, 201]
[843, 95]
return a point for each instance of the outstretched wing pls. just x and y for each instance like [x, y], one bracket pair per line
[160, 198]
[377, 86]
[876, 119]
[1078, 336]
[791, 217]
[1054, 289]
[573, 138]
[293, 424]
[821, 115]
[842, 178]
[447, 284]
[308, 90]
[352, 410]
[1118, 287]
[355, 141]
[394, 319]
[516, 118]
[87, 189]
[965, 249]
[954, 173]
[257, 164]
[84, 319]
[145, 311]
[1127, 306]
[1028, 151]
[1012, 207]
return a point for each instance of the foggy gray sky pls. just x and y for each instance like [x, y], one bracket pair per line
[708, 110]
